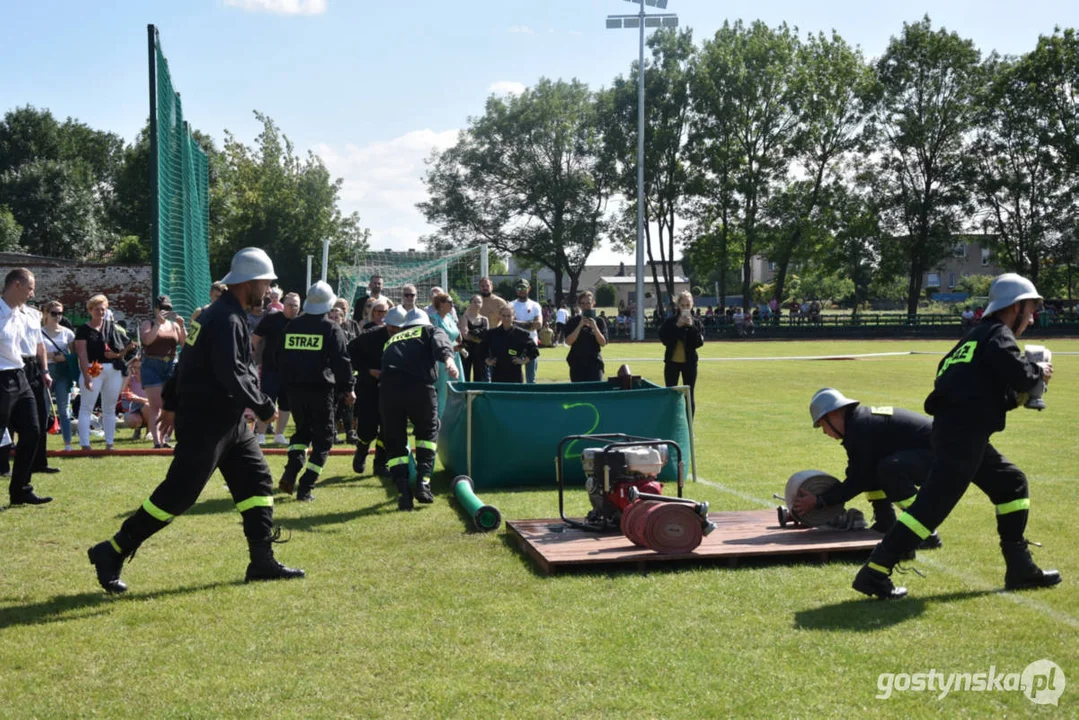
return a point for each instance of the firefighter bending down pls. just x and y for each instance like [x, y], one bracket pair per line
[407, 392]
[981, 379]
[205, 401]
[888, 457]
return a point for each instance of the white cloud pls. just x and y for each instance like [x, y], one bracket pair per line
[506, 87]
[522, 29]
[383, 181]
[281, 7]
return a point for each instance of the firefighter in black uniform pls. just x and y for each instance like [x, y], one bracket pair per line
[365, 350]
[407, 393]
[314, 366]
[205, 401]
[509, 349]
[978, 382]
[888, 456]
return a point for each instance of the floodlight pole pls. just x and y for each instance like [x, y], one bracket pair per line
[640, 183]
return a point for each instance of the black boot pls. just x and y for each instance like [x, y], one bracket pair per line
[359, 459]
[873, 582]
[264, 566]
[380, 468]
[108, 561]
[404, 500]
[307, 484]
[423, 492]
[932, 542]
[1022, 573]
[883, 516]
[287, 483]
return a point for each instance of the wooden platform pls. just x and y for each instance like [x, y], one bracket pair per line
[740, 534]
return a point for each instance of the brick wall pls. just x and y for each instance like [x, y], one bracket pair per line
[128, 287]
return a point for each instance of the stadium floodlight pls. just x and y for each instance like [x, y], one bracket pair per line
[640, 22]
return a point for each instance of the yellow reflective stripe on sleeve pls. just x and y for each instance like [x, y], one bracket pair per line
[403, 460]
[297, 341]
[1013, 506]
[883, 410]
[157, 512]
[379, 443]
[908, 502]
[879, 568]
[294, 448]
[255, 501]
[916, 527]
[317, 469]
[115, 545]
[875, 495]
[426, 444]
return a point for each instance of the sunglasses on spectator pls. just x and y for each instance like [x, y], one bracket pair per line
[410, 294]
[56, 313]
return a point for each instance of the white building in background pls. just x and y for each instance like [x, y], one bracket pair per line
[621, 276]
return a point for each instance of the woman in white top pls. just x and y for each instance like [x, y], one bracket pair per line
[59, 342]
[99, 347]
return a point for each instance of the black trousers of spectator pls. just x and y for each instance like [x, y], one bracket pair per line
[481, 372]
[473, 365]
[312, 411]
[207, 440]
[403, 399]
[688, 371]
[961, 456]
[18, 414]
[41, 399]
[585, 372]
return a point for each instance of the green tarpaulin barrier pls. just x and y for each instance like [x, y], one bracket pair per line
[506, 435]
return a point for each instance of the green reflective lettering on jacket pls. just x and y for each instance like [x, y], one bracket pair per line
[407, 334]
[962, 354]
[884, 410]
[193, 333]
[294, 341]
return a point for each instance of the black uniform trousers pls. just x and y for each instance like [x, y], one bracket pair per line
[402, 399]
[41, 398]
[368, 418]
[481, 371]
[18, 414]
[586, 372]
[688, 371]
[312, 411]
[901, 474]
[207, 440]
[961, 456]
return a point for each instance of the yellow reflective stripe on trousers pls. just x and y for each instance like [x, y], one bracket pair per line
[255, 501]
[115, 545]
[379, 443]
[908, 502]
[403, 460]
[294, 448]
[875, 495]
[426, 444]
[317, 469]
[916, 527]
[1013, 506]
[879, 568]
[157, 512]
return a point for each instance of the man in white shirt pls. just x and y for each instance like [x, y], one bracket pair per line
[35, 361]
[528, 315]
[561, 317]
[18, 408]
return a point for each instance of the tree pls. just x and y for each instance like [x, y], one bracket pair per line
[927, 81]
[54, 202]
[667, 113]
[10, 231]
[606, 295]
[528, 177]
[270, 197]
[748, 77]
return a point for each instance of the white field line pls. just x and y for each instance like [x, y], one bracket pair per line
[972, 581]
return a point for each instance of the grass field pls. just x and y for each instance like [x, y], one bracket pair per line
[413, 615]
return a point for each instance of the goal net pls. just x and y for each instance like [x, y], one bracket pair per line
[457, 272]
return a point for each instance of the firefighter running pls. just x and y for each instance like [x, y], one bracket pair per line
[314, 366]
[407, 393]
[888, 457]
[978, 382]
[205, 401]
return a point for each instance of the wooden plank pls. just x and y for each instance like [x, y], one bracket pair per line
[749, 533]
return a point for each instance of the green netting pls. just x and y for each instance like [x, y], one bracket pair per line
[181, 251]
[451, 270]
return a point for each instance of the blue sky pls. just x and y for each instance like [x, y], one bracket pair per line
[374, 87]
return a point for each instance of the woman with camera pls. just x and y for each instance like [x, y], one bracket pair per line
[682, 334]
[586, 335]
[101, 349]
[59, 343]
[161, 336]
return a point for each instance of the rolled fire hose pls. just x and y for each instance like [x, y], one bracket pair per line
[814, 482]
[485, 517]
